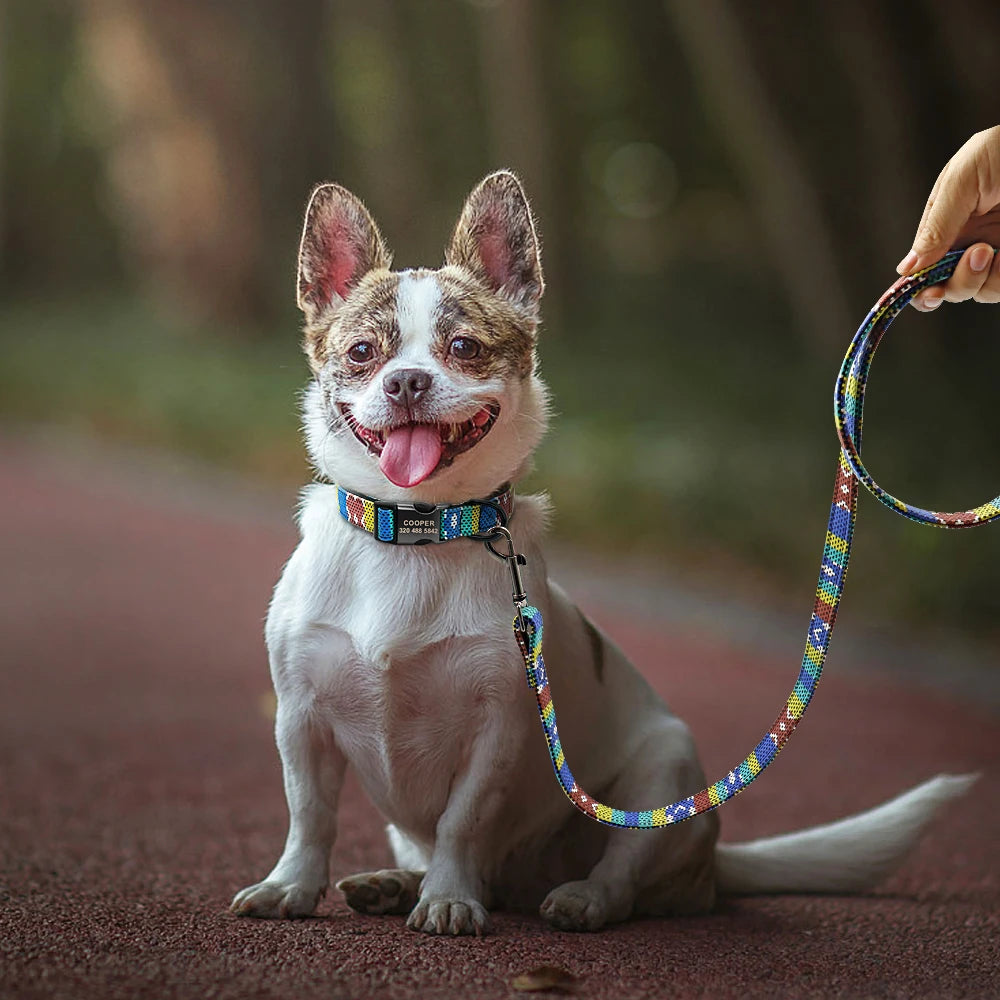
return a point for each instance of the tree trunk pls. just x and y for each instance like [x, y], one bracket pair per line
[893, 195]
[511, 43]
[184, 83]
[3, 109]
[794, 232]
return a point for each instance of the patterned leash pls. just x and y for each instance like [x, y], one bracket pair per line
[848, 403]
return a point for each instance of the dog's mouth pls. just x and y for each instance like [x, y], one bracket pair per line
[409, 453]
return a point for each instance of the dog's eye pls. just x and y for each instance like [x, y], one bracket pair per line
[362, 352]
[464, 348]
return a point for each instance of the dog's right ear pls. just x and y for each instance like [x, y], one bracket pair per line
[340, 245]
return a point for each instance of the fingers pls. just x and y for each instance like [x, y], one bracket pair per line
[989, 290]
[907, 264]
[954, 197]
[977, 276]
[969, 185]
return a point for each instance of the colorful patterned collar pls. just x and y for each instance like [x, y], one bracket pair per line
[423, 523]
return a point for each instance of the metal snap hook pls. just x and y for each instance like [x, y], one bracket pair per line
[514, 561]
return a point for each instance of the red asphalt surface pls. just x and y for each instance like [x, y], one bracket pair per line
[140, 788]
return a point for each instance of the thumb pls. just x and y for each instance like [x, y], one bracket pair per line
[952, 201]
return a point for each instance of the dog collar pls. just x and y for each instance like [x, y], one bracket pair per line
[424, 523]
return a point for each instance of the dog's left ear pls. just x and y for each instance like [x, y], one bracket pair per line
[495, 239]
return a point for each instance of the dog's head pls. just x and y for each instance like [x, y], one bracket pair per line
[424, 381]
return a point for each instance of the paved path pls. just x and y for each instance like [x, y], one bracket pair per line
[139, 788]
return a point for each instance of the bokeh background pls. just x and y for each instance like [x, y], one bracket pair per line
[723, 190]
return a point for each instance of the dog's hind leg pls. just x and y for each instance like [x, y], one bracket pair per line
[646, 871]
[392, 890]
[407, 852]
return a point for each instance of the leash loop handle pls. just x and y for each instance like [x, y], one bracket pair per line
[849, 396]
[848, 405]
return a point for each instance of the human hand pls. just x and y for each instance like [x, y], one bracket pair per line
[963, 210]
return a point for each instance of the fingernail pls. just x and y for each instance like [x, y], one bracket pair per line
[981, 258]
[907, 262]
[927, 300]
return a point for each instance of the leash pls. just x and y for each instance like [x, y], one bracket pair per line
[848, 403]
[486, 521]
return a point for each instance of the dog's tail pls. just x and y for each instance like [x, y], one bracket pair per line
[847, 856]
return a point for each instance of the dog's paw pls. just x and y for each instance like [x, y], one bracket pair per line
[449, 916]
[276, 900]
[389, 891]
[576, 906]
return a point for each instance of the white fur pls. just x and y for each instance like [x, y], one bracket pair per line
[417, 301]
[846, 856]
[401, 662]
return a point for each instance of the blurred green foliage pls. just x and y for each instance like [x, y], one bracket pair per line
[112, 367]
[723, 191]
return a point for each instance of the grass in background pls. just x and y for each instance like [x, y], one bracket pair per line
[117, 368]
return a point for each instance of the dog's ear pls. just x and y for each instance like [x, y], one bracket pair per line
[495, 239]
[340, 245]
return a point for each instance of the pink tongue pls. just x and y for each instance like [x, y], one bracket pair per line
[410, 454]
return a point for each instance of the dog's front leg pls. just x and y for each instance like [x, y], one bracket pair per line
[453, 895]
[313, 768]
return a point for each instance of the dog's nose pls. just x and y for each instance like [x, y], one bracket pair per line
[407, 385]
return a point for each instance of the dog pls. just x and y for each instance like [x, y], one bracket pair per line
[400, 660]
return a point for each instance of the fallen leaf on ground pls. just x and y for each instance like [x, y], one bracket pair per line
[267, 703]
[545, 977]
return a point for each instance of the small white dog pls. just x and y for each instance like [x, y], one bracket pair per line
[400, 660]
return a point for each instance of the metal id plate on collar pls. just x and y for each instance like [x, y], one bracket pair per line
[417, 527]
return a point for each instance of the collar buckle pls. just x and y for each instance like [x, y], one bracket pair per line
[417, 523]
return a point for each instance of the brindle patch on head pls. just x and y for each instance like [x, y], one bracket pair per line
[369, 314]
[506, 335]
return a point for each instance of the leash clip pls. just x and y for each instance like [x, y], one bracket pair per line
[514, 561]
